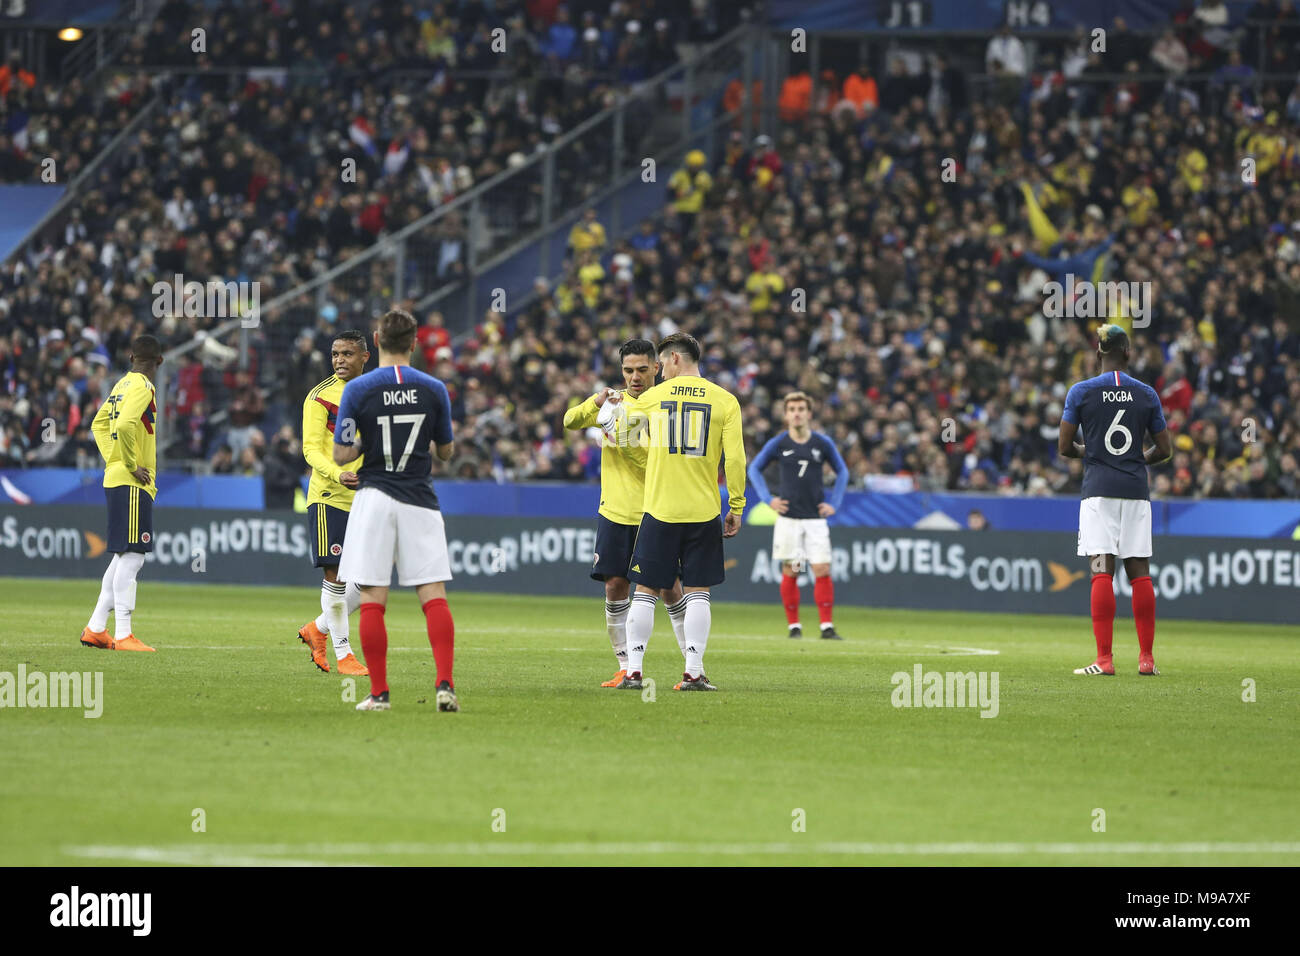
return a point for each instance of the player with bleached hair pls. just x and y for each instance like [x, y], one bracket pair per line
[1116, 412]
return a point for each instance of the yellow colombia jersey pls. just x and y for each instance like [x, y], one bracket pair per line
[319, 410]
[124, 431]
[693, 425]
[622, 459]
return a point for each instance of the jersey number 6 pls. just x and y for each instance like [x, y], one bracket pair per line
[1115, 426]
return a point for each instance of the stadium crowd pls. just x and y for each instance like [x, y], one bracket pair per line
[842, 263]
[239, 174]
[68, 123]
[886, 253]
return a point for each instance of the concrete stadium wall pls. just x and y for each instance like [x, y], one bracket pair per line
[1223, 579]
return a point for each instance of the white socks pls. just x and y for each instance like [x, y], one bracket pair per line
[691, 617]
[699, 617]
[640, 622]
[99, 619]
[616, 624]
[677, 614]
[337, 602]
[126, 566]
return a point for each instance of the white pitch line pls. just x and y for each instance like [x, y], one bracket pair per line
[181, 857]
[940, 649]
[274, 854]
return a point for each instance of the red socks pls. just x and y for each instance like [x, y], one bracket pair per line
[1103, 613]
[374, 641]
[824, 593]
[442, 637]
[1144, 614]
[374, 644]
[790, 598]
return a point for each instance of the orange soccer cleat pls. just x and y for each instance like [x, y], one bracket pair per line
[615, 680]
[311, 635]
[352, 667]
[131, 643]
[101, 639]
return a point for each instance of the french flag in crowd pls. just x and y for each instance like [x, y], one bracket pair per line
[398, 152]
[363, 134]
[16, 127]
[16, 494]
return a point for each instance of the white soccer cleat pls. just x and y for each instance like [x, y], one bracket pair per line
[1095, 669]
[373, 702]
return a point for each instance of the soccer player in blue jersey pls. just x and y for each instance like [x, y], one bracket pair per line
[395, 418]
[801, 533]
[1116, 412]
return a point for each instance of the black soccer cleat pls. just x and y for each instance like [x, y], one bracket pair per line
[828, 634]
[796, 631]
[631, 681]
[447, 698]
[695, 683]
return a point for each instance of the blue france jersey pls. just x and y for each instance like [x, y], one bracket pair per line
[801, 467]
[395, 412]
[1115, 412]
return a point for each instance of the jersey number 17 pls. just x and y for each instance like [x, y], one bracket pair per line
[386, 423]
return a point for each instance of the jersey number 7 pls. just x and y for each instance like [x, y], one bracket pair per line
[685, 446]
[386, 423]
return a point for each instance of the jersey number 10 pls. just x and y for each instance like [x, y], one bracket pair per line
[680, 443]
[386, 423]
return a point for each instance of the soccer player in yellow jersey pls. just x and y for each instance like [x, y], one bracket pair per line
[622, 490]
[124, 431]
[329, 500]
[694, 427]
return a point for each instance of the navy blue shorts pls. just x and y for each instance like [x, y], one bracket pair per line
[327, 527]
[614, 543]
[130, 519]
[690, 550]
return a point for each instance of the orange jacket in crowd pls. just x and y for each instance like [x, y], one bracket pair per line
[796, 97]
[860, 90]
[735, 94]
[25, 77]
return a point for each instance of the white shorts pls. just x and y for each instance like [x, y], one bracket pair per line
[801, 539]
[382, 532]
[1118, 526]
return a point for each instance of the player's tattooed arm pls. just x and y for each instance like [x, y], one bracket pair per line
[1065, 443]
[1162, 450]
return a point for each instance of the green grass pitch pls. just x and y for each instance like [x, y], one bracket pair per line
[545, 766]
